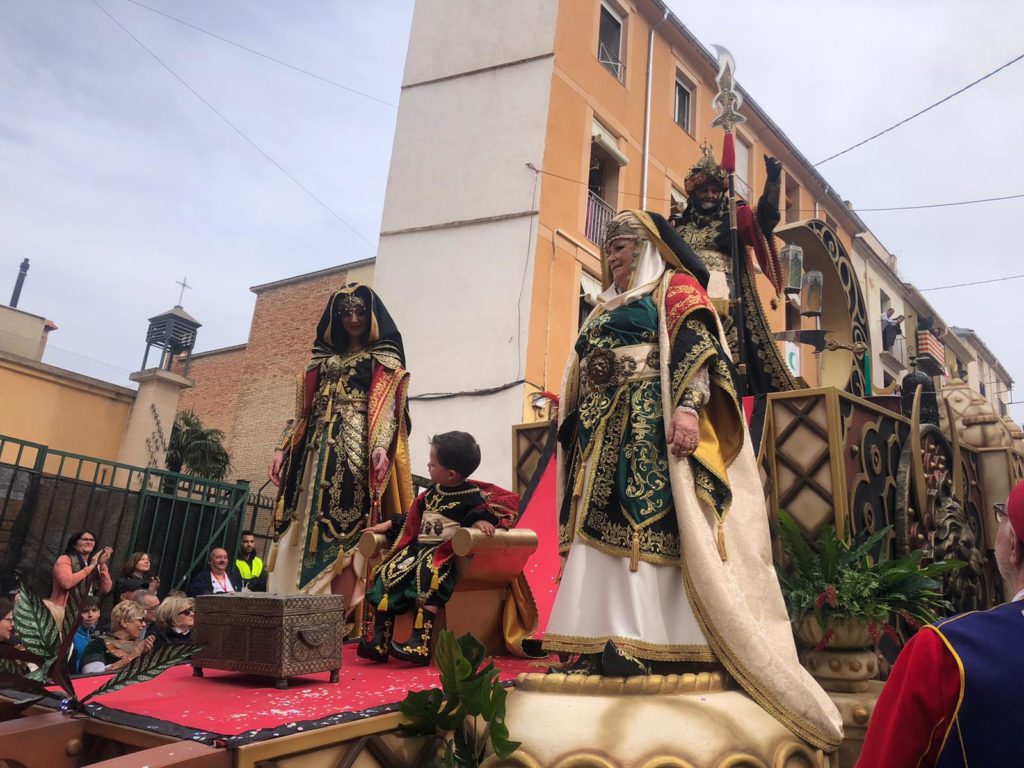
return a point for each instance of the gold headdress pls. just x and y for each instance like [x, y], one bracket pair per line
[352, 302]
[706, 171]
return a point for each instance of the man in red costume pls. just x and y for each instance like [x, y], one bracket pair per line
[954, 695]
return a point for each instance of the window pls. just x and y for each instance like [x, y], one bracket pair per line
[743, 177]
[792, 200]
[678, 202]
[609, 42]
[684, 98]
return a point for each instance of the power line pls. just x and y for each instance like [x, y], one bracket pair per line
[976, 282]
[812, 210]
[918, 114]
[268, 57]
[231, 125]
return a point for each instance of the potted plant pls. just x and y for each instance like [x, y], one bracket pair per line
[839, 595]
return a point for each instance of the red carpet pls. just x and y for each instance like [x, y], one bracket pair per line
[233, 704]
[542, 568]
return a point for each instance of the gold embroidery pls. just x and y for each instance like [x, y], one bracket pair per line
[645, 650]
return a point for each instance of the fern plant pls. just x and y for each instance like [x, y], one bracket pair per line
[837, 581]
[468, 694]
[49, 649]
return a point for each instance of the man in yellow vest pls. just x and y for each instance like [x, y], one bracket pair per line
[250, 565]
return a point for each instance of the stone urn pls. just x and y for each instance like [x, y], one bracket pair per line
[846, 669]
[847, 663]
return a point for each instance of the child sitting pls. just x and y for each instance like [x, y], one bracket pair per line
[89, 610]
[420, 572]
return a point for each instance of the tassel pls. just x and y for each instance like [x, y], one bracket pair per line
[435, 582]
[634, 553]
[729, 154]
[577, 488]
[418, 624]
[383, 604]
[314, 539]
[721, 540]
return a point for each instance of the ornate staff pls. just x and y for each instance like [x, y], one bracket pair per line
[727, 103]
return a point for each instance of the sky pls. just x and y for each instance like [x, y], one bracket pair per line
[117, 180]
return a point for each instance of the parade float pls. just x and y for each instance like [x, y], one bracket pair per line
[921, 469]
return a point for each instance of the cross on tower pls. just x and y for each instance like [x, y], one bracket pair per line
[184, 284]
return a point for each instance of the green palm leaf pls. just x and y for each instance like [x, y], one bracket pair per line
[36, 627]
[145, 667]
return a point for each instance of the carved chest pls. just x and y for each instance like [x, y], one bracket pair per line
[278, 636]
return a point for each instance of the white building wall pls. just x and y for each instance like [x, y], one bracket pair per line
[455, 260]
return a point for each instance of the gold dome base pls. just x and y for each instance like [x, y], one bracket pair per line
[660, 721]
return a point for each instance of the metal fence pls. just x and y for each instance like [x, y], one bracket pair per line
[46, 495]
[599, 213]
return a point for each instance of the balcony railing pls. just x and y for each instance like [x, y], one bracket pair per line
[898, 353]
[599, 213]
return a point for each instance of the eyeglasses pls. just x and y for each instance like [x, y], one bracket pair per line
[8, 618]
[1000, 510]
[186, 612]
[84, 540]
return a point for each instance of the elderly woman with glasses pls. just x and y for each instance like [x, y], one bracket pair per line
[174, 621]
[79, 561]
[662, 520]
[108, 653]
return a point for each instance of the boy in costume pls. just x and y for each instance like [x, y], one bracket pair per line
[419, 575]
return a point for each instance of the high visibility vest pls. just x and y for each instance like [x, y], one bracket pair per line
[243, 568]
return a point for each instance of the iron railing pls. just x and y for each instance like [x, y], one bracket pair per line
[599, 213]
[46, 495]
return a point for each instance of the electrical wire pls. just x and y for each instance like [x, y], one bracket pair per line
[921, 112]
[976, 282]
[472, 392]
[812, 210]
[327, 80]
[233, 127]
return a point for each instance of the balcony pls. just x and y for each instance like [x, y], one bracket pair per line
[599, 213]
[897, 359]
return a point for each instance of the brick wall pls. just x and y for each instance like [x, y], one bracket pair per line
[280, 339]
[248, 391]
[214, 397]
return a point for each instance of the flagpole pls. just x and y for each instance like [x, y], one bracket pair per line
[727, 102]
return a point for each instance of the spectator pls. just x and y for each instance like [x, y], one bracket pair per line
[136, 575]
[218, 578]
[250, 565]
[7, 637]
[107, 653]
[891, 328]
[6, 619]
[89, 610]
[953, 696]
[150, 602]
[78, 562]
[174, 620]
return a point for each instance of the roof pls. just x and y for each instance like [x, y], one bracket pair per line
[180, 313]
[969, 335]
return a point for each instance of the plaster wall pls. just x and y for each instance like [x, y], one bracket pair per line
[22, 333]
[462, 147]
[459, 297]
[452, 37]
[62, 410]
[152, 416]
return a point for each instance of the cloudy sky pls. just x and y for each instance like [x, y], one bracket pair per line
[116, 180]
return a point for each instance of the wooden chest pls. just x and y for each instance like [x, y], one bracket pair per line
[278, 636]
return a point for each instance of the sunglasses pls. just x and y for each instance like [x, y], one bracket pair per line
[187, 612]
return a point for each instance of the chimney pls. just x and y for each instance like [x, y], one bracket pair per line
[22, 271]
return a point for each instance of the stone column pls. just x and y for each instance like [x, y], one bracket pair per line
[144, 443]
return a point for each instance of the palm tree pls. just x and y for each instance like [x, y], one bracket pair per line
[195, 449]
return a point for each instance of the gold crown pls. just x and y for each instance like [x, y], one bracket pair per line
[707, 170]
[622, 227]
[350, 302]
